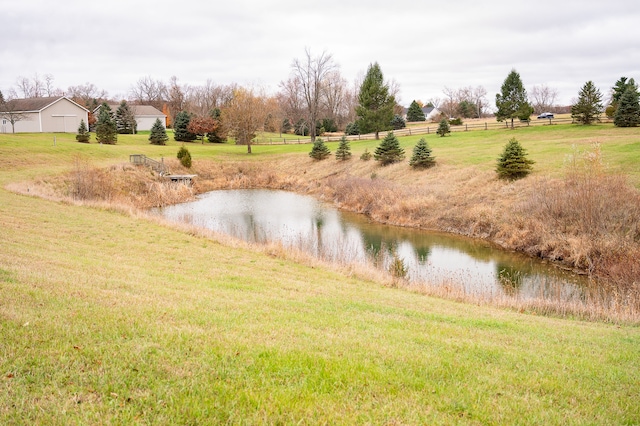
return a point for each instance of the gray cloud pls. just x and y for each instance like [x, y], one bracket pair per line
[423, 46]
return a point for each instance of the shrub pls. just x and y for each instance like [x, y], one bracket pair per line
[319, 151]
[184, 156]
[456, 121]
[514, 164]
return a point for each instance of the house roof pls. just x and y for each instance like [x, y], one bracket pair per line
[35, 104]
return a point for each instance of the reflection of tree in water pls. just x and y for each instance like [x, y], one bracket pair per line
[382, 245]
[509, 278]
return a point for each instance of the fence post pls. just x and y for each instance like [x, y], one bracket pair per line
[485, 125]
[465, 127]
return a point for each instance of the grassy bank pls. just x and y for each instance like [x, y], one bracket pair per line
[111, 318]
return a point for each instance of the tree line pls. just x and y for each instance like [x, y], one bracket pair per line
[315, 99]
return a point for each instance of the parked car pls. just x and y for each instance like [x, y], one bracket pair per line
[546, 115]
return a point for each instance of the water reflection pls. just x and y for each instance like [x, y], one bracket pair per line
[437, 259]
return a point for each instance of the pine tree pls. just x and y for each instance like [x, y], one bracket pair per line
[589, 105]
[415, 113]
[83, 133]
[422, 157]
[106, 126]
[513, 164]
[319, 151]
[180, 132]
[397, 122]
[443, 127]
[125, 119]
[158, 134]
[366, 155]
[343, 152]
[628, 112]
[375, 104]
[512, 100]
[617, 91]
[389, 150]
[218, 135]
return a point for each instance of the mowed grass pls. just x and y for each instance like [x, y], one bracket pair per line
[112, 318]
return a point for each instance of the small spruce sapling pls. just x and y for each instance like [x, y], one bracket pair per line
[319, 151]
[83, 133]
[343, 152]
[443, 128]
[389, 150]
[514, 164]
[158, 134]
[422, 158]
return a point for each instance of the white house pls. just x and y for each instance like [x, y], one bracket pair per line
[42, 115]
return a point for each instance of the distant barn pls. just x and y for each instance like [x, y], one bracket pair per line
[42, 115]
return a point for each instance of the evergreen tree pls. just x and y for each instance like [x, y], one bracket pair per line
[514, 164]
[319, 151]
[397, 122]
[125, 119]
[589, 105]
[286, 125]
[343, 152]
[443, 127]
[617, 91]
[628, 112]
[512, 100]
[2, 101]
[106, 126]
[352, 129]
[389, 150]
[415, 113]
[366, 155]
[375, 104]
[180, 132]
[158, 134]
[218, 135]
[422, 157]
[184, 156]
[83, 133]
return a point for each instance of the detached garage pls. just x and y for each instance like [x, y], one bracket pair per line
[42, 115]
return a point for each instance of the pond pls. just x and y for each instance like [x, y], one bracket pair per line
[435, 259]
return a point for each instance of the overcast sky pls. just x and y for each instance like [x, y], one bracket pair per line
[423, 45]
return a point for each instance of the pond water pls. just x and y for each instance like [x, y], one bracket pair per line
[430, 258]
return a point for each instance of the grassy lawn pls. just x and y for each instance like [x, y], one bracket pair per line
[113, 318]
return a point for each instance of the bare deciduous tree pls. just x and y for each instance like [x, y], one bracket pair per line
[87, 94]
[335, 93]
[10, 111]
[148, 91]
[311, 72]
[543, 98]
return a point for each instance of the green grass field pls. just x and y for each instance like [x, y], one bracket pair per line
[113, 318]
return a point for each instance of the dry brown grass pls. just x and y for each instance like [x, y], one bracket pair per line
[587, 221]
